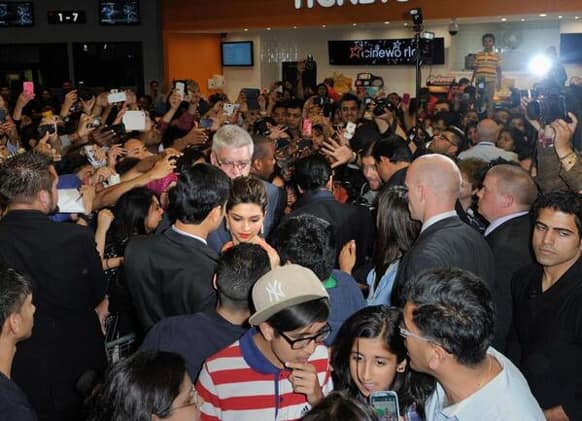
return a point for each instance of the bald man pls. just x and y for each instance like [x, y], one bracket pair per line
[505, 199]
[434, 184]
[486, 149]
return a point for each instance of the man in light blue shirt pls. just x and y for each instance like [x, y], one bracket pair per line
[448, 326]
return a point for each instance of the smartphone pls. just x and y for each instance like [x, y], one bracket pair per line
[304, 144]
[134, 120]
[180, 88]
[206, 123]
[43, 129]
[2, 115]
[406, 99]
[252, 96]
[350, 130]
[28, 88]
[282, 143]
[307, 127]
[115, 96]
[229, 109]
[385, 404]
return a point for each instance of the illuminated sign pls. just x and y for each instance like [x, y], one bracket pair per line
[310, 4]
[384, 52]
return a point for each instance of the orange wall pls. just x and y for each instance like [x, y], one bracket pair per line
[191, 56]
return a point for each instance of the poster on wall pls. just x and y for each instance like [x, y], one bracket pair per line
[384, 52]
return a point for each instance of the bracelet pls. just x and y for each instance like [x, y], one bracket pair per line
[566, 156]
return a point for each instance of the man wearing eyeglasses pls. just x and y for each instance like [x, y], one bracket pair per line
[279, 369]
[448, 327]
[232, 152]
[448, 142]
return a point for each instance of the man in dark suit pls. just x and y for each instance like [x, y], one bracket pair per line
[434, 184]
[232, 152]
[171, 273]
[313, 176]
[505, 198]
[62, 263]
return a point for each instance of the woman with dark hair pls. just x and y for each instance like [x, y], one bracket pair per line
[471, 134]
[245, 214]
[395, 235]
[369, 356]
[148, 386]
[137, 212]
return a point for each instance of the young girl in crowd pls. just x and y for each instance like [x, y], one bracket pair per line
[369, 356]
[395, 235]
[245, 213]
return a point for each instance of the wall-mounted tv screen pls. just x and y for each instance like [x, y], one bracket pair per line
[237, 53]
[571, 48]
[14, 13]
[119, 12]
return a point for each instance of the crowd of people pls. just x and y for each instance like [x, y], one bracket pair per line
[288, 256]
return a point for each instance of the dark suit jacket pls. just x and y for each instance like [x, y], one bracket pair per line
[511, 246]
[349, 222]
[276, 202]
[169, 274]
[447, 243]
[62, 263]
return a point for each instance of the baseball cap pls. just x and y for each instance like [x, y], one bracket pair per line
[283, 287]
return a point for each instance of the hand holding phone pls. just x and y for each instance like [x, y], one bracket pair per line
[406, 99]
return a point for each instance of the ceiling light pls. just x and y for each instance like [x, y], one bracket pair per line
[354, 24]
[295, 27]
[522, 19]
[246, 29]
[560, 17]
[399, 1]
[576, 17]
[386, 22]
[405, 23]
[543, 15]
[268, 28]
[503, 19]
[323, 26]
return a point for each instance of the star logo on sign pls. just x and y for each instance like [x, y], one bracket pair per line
[396, 44]
[355, 51]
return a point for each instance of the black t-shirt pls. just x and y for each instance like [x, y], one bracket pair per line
[195, 337]
[14, 404]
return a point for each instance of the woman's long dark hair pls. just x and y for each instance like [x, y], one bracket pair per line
[378, 322]
[145, 384]
[396, 230]
[130, 212]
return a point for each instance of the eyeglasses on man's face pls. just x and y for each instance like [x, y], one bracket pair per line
[240, 165]
[301, 343]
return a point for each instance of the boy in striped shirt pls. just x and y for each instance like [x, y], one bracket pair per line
[488, 70]
[279, 369]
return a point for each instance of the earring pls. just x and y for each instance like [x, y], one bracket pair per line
[226, 226]
[401, 368]
[263, 230]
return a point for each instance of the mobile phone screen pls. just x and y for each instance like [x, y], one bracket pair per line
[385, 405]
[28, 88]
[406, 99]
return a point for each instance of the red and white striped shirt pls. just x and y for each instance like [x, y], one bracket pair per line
[239, 384]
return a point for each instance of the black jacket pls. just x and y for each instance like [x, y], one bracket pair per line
[349, 222]
[511, 246]
[548, 334]
[65, 270]
[169, 274]
[447, 243]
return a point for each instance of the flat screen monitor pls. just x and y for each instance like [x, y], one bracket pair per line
[237, 54]
[14, 13]
[571, 48]
[119, 12]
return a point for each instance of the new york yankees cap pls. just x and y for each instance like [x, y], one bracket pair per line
[283, 287]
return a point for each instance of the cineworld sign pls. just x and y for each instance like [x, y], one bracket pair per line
[300, 4]
[384, 52]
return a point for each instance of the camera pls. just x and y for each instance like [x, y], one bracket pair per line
[381, 106]
[453, 28]
[116, 96]
[548, 107]
[44, 129]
